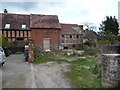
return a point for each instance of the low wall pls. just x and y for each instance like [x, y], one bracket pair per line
[110, 70]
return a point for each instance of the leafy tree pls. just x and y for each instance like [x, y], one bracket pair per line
[3, 41]
[109, 26]
[109, 30]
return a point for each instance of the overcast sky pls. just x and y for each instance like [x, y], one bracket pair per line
[68, 11]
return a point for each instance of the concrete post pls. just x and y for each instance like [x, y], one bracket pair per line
[110, 70]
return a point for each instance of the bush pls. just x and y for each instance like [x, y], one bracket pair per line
[19, 52]
[90, 52]
[81, 47]
[90, 43]
[36, 53]
[103, 42]
[3, 41]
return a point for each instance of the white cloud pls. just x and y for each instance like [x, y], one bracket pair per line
[72, 11]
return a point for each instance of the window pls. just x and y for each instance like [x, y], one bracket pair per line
[62, 35]
[70, 36]
[62, 41]
[20, 39]
[23, 26]
[77, 36]
[65, 47]
[7, 26]
[73, 46]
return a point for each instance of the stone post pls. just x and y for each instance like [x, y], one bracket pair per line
[110, 70]
[31, 52]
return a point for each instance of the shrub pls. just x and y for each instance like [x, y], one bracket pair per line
[36, 53]
[103, 42]
[19, 52]
[3, 41]
[81, 47]
[90, 52]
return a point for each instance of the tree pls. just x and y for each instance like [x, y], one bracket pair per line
[3, 41]
[90, 36]
[109, 30]
[109, 26]
[90, 26]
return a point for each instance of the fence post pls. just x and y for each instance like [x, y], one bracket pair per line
[110, 70]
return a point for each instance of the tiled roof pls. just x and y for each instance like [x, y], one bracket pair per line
[44, 21]
[15, 20]
[70, 29]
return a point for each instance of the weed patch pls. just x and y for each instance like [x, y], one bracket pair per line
[85, 73]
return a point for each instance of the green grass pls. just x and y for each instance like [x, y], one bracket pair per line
[48, 60]
[90, 52]
[84, 77]
[85, 73]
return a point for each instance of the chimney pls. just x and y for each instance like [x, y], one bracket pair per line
[5, 11]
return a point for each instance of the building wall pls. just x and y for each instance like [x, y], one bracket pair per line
[71, 41]
[38, 36]
[13, 35]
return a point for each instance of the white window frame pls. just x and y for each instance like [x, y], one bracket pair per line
[7, 26]
[24, 26]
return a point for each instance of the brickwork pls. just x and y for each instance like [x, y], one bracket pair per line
[38, 27]
[38, 36]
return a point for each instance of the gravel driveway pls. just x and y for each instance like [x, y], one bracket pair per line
[50, 75]
[16, 73]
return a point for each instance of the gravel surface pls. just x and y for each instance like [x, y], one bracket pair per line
[50, 75]
[16, 73]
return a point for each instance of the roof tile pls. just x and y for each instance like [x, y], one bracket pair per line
[44, 21]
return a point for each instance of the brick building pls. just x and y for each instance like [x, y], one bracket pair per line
[45, 30]
[71, 35]
[15, 26]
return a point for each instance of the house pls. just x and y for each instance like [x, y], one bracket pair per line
[15, 26]
[71, 36]
[45, 30]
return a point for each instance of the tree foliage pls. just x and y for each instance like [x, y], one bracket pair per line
[109, 26]
[3, 41]
[109, 30]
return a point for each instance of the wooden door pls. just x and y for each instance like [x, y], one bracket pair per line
[46, 44]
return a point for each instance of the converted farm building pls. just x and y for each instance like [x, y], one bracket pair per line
[44, 30]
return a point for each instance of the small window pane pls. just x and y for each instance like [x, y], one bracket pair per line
[23, 26]
[70, 36]
[77, 36]
[7, 26]
[62, 35]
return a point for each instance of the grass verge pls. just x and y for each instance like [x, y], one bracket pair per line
[85, 73]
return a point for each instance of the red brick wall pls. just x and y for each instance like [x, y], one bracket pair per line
[37, 36]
